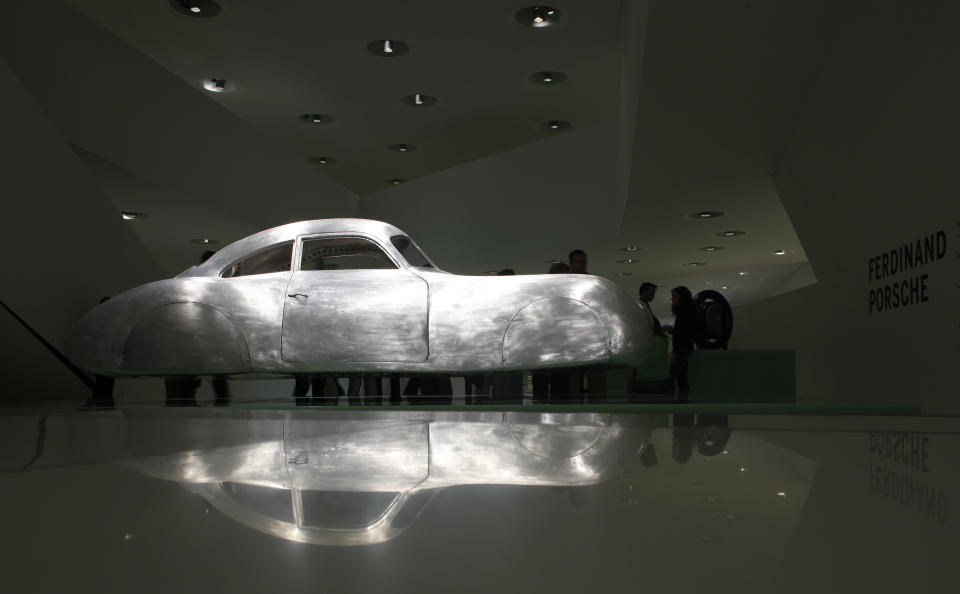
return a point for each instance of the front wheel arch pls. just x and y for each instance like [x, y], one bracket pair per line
[554, 332]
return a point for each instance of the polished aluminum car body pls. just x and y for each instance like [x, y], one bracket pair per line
[354, 296]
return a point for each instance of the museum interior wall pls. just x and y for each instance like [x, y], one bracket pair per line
[543, 198]
[113, 102]
[869, 171]
[65, 247]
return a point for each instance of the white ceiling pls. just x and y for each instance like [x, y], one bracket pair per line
[717, 93]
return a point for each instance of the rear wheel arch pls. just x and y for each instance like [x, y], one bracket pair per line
[185, 338]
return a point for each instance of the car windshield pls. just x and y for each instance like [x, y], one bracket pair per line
[410, 253]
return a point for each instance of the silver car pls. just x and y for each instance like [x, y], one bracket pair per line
[354, 296]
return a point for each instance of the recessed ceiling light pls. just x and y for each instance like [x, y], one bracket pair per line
[743, 273]
[724, 287]
[129, 215]
[202, 9]
[711, 248]
[419, 100]
[547, 78]
[555, 125]
[316, 118]
[781, 494]
[731, 233]
[744, 469]
[388, 48]
[695, 264]
[627, 261]
[779, 252]
[204, 241]
[219, 85]
[630, 248]
[538, 17]
[396, 181]
[706, 214]
[322, 160]
[403, 148]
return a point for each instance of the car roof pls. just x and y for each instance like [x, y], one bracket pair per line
[289, 232]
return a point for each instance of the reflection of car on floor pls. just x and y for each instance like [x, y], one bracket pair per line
[352, 295]
[366, 481]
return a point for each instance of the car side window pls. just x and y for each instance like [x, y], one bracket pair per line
[275, 258]
[342, 253]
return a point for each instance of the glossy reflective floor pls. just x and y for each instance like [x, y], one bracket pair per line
[259, 499]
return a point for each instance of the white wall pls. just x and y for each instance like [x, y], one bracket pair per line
[872, 167]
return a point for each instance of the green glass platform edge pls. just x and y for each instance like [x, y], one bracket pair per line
[898, 410]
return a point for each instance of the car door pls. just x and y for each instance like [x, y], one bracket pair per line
[348, 301]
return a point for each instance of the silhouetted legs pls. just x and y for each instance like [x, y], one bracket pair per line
[221, 391]
[181, 391]
[102, 398]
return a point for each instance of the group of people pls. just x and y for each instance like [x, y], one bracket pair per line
[563, 387]
[682, 332]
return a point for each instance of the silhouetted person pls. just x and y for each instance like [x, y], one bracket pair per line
[552, 386]
[477, 388]
[647, 293]
[429, 389]
[372, 390]
[102, 398]
[181, 391]
[395, 395]
[508, 387]
[325, 390]
[596, 382]
[578, 262]
[684, 329]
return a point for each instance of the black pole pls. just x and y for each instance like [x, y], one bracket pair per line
[83, 377]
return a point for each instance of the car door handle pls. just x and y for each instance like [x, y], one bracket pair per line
[297, 295]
